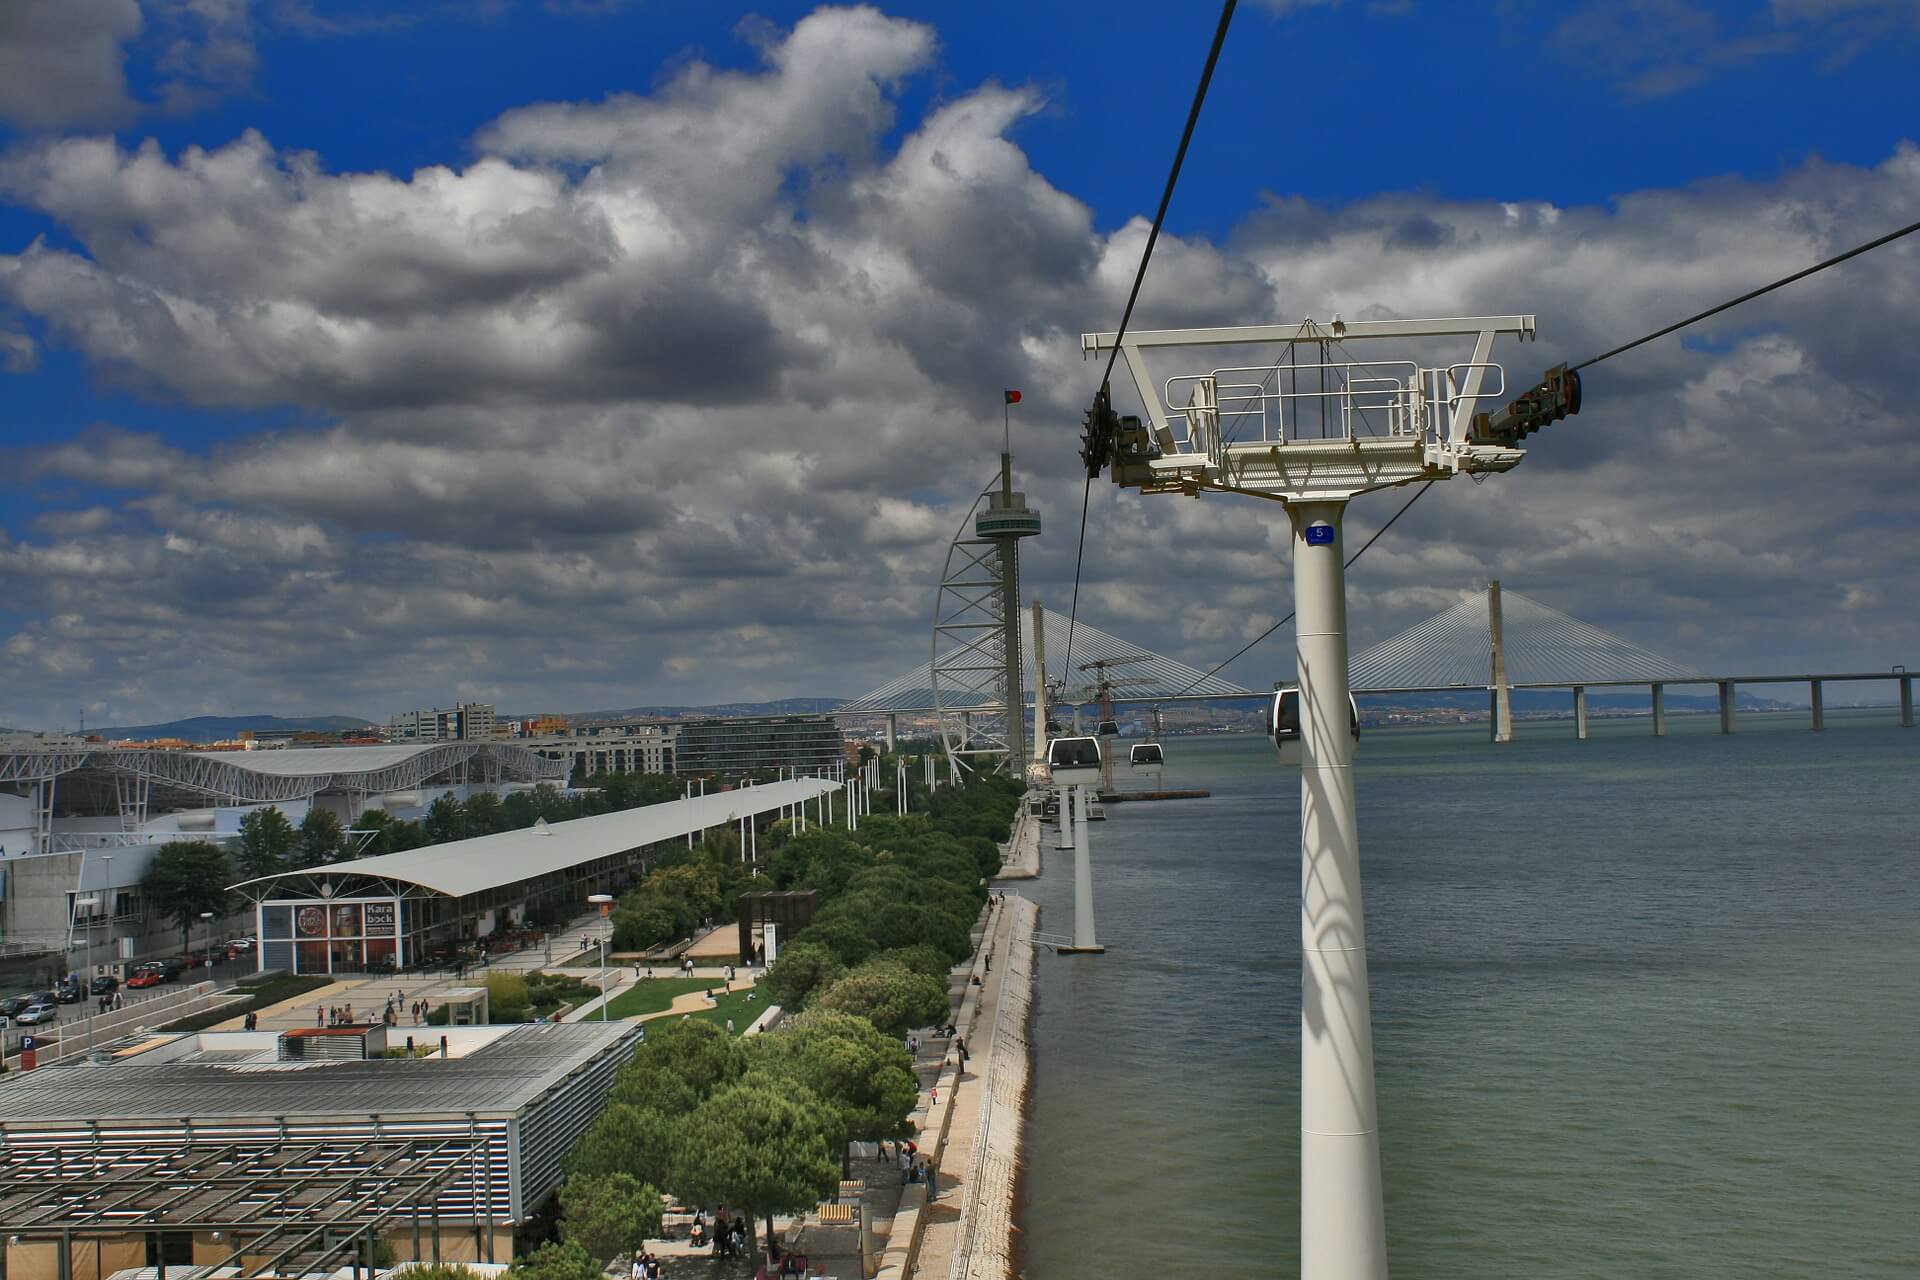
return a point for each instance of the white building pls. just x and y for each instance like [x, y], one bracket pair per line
[466, 722]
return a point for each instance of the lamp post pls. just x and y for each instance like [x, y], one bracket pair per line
[605, 902]
[206, 918]
[87, 905]
[108, 859]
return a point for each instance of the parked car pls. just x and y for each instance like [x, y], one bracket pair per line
[169, 970]
[143, 978]
[35, 1014]
[240, 944]
[104, 985]
[12, 1006]
[190, 960]
[70, 993]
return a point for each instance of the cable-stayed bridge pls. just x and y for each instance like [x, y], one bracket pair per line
[1496, 641]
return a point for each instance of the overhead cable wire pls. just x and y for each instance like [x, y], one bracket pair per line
[1404, 507]
[1854, 252]
[1133, 295]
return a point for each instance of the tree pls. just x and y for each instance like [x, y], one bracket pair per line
[760, 1144]
[381, 824]
[678, 1065]
[484, 814]
[446, 821]
[627, 1139]
[556, 1260]
[266, 839]
[185, 878]
[321, 838]
[891, 996]
[608, 1214]
[864, 1077]
[800, 971]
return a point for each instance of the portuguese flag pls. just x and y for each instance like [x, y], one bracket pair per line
[1013, 397]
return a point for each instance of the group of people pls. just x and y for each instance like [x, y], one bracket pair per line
[646, 1266]
[728, 1237]
[111, 1001]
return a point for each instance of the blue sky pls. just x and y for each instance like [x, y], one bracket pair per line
[1668, 124]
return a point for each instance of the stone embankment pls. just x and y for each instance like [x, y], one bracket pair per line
[972, 1120]
[1021, 857]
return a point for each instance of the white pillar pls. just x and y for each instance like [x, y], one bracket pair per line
[1727, 724]
[1819, 708]
[1580, 712]
[1083, 932]
[1063, 819]
[893, 729]
[1500, 710]
[1659, 711]
[1343, 1232]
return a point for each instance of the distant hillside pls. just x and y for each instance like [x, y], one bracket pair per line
[223, 728]
[783, 707]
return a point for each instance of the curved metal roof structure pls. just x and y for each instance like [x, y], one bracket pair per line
[260, 777]
[462, 867]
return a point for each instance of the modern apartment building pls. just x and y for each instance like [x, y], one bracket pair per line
[730, 746]
[626, 748]
[467, 722]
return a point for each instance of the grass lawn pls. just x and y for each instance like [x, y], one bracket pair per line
[653, 995]
[735, 1006]
[259, 996]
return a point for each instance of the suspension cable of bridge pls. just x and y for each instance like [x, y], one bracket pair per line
[1133, 295]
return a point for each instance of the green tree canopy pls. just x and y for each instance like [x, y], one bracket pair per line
[185, 878]
[556, 1260]
[863, 1077]
[608, 1214]
[679, 1064]
[322, 838]
[798, 972]
[889, 995]
[630, 1140]
[760, 1144]
[446, 820]
[266, 841]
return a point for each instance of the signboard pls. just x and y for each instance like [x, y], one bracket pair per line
[380, 917]
[346, 920]
[1319, 535]
[310, 922]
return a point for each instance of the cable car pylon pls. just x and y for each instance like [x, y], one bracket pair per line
[1315, 433]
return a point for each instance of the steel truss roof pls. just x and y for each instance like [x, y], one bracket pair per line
[248, 777]
[282, 1203]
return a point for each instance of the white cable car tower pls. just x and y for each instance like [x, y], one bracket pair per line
[976, 675]
[1314, 435]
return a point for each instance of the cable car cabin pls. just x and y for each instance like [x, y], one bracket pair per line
[1109, 728]
[1283, 724]
[1074, 762]
[1148, 759]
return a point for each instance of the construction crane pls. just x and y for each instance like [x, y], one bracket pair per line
[1103, 690]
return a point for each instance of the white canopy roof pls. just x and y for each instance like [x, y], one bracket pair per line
[463, 867]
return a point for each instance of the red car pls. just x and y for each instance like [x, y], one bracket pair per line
[145, 978]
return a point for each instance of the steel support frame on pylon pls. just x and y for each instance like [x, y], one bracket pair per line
[969, 663]
[1426, 414]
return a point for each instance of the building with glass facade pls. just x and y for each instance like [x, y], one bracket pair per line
[806, 744]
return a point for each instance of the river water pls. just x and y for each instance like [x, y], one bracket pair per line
[1642, 1008]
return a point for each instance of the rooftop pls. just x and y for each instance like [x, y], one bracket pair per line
[462, 867]
[233, 1074]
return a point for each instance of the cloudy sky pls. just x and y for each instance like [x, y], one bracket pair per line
[584, 353]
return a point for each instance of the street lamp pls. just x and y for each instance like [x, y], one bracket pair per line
[108, 859]
[87, 905]
[207, 919]
[605, 902]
